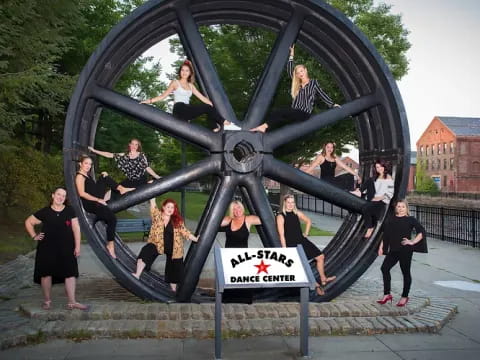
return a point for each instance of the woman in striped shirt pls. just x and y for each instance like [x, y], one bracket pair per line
[304, 93]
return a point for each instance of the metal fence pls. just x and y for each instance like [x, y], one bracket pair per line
[459, 226]
[447, 195]
[455, 225]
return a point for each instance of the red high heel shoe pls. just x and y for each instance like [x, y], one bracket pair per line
[386, 298]
[402, 302]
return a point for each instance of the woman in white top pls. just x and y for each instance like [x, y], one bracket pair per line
[182, 88]
[379, 190]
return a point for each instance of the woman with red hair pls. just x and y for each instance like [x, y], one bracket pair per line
[166, 237]
[182, 88]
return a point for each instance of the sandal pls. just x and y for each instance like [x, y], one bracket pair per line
[76, 305]
[319, 290]
[46, 305]
[328, 279]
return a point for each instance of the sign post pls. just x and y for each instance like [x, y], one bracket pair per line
[239, 268]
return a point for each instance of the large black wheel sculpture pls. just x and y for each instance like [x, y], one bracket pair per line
[240, 159]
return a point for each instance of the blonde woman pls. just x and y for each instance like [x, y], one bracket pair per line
[305, 92]
[291, 235]
[183, 88]
[237, 226]
[398, 246]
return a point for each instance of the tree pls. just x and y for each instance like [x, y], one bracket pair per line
[425, 183]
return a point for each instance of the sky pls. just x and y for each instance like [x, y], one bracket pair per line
[444, 60]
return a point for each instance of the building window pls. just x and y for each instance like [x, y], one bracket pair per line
[421, 150]
[444, 164]
[445, 181]
[426, 166]
[439, 164]
[426, 150]
[439, 146]
[433, 150]
[451, 163]
[451, 148]
[476, 167]
[444, 148]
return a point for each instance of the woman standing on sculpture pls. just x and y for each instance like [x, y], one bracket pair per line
[58, 246]
[182, 88]
[290, 232]
[305, 92]
[94, 196]
[328, 161]
[237, 231]
[133, 163]
[166, 237]
[398, 247]
[379, 191]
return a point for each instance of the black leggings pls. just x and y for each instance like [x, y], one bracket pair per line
[101, 211]
[405, 258]
[372, 212]
[173, 267]
[189, 112]
[282, 115]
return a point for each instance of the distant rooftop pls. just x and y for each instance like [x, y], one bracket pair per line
[462, 126]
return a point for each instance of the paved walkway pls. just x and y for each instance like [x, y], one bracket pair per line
[430, 328]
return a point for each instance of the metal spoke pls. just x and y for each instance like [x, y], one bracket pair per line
[263, 209]
[297, 179]
[291, 132]
[170, 182]
[268, 82]
[195, 47]
[196, 261]
[194, 134]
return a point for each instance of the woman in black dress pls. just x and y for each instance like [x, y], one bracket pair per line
[94, 196]
[57, 249]
[328, 162]
[133, 163]
[237, 230]
[290, 232]
[398, 247]
[305, 92]
[166, 237]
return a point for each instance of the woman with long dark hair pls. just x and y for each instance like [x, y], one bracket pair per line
[398, 246]
[58, 246]
[304, 91]
[291, 235]
[94, 196]
[182, 88]
[166, 237]
[328, 162]
[133, 163]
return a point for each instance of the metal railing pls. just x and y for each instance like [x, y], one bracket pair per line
[459, 226]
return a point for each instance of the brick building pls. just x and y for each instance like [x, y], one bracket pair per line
[449, 151]
[413, 170]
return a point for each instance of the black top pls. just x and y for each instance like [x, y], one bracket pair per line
[327, 169]
[305, 99]
[399, 227]
[90, 188]
[292, 229]
[55, 255]
[237, 238]
[134, 169]
[168, 239]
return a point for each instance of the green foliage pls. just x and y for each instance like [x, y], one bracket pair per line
[425, 183]
[28, 178]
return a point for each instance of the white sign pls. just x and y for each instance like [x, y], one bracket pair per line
[262, 267]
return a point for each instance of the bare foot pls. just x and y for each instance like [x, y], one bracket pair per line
[262, 128]
[123, 190]
[356, 192]
[217, 129]
[173, 287]
[135, 276]
[319, 290]
[368, 233]
[111, 251]
[76, 305]
[46, 304]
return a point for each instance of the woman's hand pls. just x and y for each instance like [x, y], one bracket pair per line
[407, 241]
[101, 201]
[76, 252]
[292, 50]
[380, 250]
[39, 237]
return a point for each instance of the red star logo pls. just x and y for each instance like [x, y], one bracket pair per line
[262, 267]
